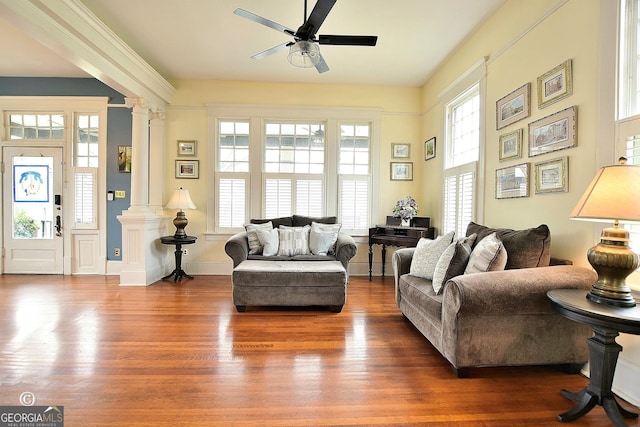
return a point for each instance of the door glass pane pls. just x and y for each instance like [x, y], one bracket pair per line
[33, 207]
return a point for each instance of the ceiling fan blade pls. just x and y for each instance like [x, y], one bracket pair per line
[271, 51]
[315, 20]
[348, 40]
[263, 21]
[322, 66]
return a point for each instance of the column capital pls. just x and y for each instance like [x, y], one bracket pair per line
[135, 102]
[156, 113]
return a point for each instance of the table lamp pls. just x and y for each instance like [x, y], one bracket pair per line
[180, 199]
[612, 196]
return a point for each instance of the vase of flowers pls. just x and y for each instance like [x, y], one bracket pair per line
[405, 209]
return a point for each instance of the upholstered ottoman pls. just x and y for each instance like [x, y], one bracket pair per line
[289, 283]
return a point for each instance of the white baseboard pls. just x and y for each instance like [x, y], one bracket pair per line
[626, 380]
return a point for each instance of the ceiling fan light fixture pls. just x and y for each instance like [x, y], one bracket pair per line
[304, 54]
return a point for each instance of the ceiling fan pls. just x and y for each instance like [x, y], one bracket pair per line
[304, 50]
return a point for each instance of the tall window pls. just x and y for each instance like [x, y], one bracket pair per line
[85, 162]
[461, 160]
[354, 171]
[233, 171]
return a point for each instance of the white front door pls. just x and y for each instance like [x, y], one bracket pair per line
[32, 225]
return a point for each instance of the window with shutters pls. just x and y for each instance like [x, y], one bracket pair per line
[462, 148]
[298, 161]
[85, 166]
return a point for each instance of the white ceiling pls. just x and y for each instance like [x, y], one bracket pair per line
[203, 39]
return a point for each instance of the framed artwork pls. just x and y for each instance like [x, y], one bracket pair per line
[552, 176]
[187, 169]
[511, 145]
[513, 107]
[401, 171]
[512, 181]
[554, 132]
[187, 148]
[555, 84]
[400, 151]
[430, 148]
[124, 158]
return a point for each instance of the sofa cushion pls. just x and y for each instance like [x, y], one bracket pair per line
[277, 222]
[427, 254]
[301, 221]
[452, 262]
[323, 237]
[255, 247]
[525, 248]
[269, 240]
[488, 255]
[294, 240]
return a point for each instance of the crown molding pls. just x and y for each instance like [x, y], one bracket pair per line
[71, 30]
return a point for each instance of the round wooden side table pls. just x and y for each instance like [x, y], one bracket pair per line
[607, 322]
[178, 272]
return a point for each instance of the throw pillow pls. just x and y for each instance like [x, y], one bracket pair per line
[323, 237]
[268, 240]
[294, 240]
[255, 248]
[427, 254]
[452, 262]
[488, 255]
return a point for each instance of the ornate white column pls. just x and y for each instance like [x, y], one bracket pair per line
[144, 258]
[156, 158]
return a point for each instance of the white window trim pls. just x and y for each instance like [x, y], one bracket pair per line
[257, 115]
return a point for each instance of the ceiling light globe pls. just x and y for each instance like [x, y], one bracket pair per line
[304, 54]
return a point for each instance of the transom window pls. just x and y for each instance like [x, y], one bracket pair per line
[294, 148]
[30, 126]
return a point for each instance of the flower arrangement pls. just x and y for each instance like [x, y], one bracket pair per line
[405, 209]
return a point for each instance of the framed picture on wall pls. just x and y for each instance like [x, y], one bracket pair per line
[124, 158]
[187, 148]
[512, 181]
[430, 148]
[401, 171]
[552, 176]
[400, 151]
[555, 84]
[511, 145]
[187, 169]
[513, 107]
[554, 132]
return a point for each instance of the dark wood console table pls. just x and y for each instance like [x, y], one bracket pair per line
[607, 322]
[178, 272]
[397, 235]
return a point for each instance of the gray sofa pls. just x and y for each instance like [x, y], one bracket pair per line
[290, 280]
[498, 318]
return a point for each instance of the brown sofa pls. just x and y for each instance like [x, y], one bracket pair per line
[498, 318]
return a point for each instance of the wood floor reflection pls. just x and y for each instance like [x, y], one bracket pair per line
[180, 355]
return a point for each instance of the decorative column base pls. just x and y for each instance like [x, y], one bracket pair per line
[144, 258]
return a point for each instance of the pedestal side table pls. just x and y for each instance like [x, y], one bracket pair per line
[178, 272]
[607, 322]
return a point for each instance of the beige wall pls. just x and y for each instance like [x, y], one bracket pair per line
[522, 41]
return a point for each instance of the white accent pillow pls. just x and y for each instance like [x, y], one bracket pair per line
[488, 255]
[268, 240]
[452, 262]
[427, 254]
[255, 248]
[294, 240]
[323, 237]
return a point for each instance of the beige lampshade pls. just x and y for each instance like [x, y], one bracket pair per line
[614, 194]
[180, 199]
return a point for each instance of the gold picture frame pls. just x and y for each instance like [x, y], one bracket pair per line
[188, 169]
[400, 151]
[555, 84]
[513, 107]
[552, 176]
[187, 148]
[557, 131]
[511, 145]
[401, 171]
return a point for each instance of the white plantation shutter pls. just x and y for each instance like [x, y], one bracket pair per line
[232, 202]
[309, 197]
[459, 199]
[277, 198]
[84, 182]
[353, 204]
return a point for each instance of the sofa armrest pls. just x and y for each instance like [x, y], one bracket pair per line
[516, 291]
[401, 262]
[237, 247]
[345, 249]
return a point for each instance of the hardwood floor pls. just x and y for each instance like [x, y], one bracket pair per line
[180, 355]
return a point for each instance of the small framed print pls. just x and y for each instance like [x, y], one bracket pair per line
[124, 158]
[187, 169]
[430, 148]
[512, 181]
[554, 132]
[511, 145]
[552, 176]
[400, 151]
[513, 107]
[401, 171]
[187, 148]
[555, 84]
